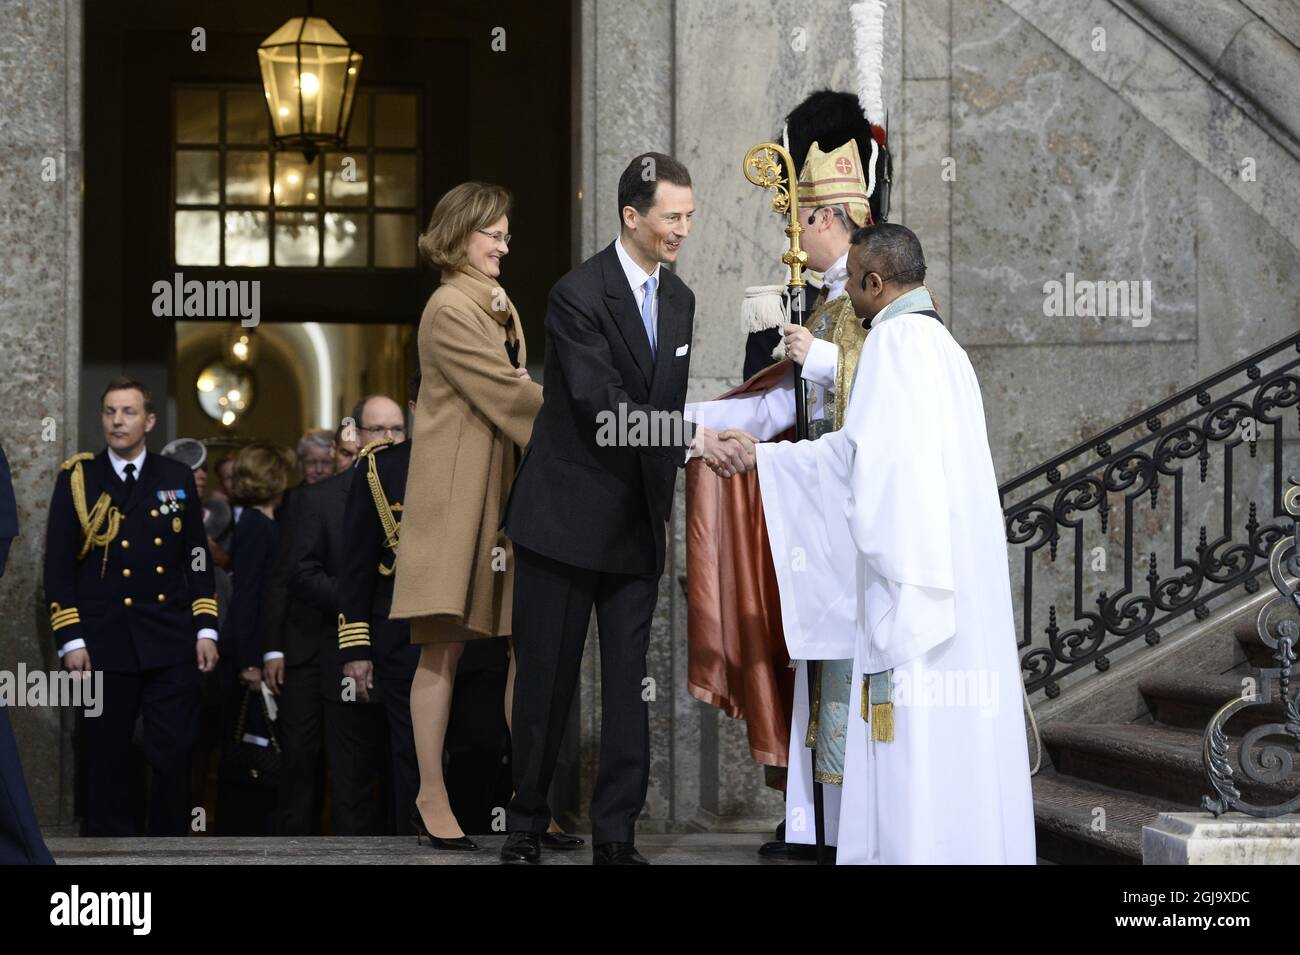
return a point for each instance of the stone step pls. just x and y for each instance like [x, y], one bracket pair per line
[1163, 762]
[1190, 701]
[1071, 830]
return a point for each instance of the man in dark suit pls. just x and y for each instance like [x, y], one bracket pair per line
[291, 656]
[131, 595]
[20, 835]
[354, 722]
[588, 515]
[373, 649]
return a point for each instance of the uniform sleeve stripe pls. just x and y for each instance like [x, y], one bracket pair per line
[66, 622]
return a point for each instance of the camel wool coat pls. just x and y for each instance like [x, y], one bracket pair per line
[455, 570]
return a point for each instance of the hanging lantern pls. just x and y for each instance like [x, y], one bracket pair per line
[310, 75]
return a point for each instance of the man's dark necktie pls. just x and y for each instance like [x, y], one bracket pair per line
[129, 481]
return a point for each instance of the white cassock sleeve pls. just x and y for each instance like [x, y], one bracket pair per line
[858, 519]
[764, 414]
[820, 363]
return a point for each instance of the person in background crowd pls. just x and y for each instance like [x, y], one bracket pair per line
[355, 734]
[128, 599]
[245, 804]
[316, 455]
[348, 441]
[225, 472]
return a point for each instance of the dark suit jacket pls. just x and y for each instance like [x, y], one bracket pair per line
[252, 552]
[150, 564]
[315, 563]
[574, 500]
[289, 625]
[365, 595]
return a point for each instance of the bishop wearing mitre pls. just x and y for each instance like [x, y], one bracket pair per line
[888, 545]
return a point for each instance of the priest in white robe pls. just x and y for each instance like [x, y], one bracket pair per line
[890, 530]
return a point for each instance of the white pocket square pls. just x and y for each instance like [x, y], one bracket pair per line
[682, 351]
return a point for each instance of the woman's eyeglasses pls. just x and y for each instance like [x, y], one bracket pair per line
[502, 237]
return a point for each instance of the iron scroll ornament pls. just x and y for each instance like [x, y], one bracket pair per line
[1263, 762]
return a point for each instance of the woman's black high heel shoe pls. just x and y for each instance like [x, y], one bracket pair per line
[458, 844]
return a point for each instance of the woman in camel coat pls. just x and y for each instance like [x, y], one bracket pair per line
[474, 414]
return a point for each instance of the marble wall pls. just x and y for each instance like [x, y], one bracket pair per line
[40, 336]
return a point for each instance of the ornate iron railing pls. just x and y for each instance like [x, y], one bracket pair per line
[1262, 761]
[1088, 620]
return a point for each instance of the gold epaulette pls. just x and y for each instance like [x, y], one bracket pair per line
[386, 519]
[374, 445]
[72, 461]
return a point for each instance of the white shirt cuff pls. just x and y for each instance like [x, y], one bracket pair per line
[207, 633]
[71, 645]
[820, 363]
[270, 655]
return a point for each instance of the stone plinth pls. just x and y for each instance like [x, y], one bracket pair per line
[1198, 838]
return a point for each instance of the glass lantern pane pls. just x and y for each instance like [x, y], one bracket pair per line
[196, 116]
[287, 33]
[346, 179]
[246, 117]
[322, 78]
[248, 240]
[280, 80]
[394, 179]
[196, 176]
[345, 239]
[297, 182]
[198, 238]
[394, 119]
[351, 79]
[394, 241]
[246, 178]
[297, 238]
[319, 30]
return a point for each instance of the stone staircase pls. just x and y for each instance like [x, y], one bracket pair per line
[1103, 779]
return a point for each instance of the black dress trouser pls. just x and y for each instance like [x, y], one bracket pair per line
[552, 609]
[298, 728]
[168, 700]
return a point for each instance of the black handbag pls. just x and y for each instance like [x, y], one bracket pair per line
[248, 764]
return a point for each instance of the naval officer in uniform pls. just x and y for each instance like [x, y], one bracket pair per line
[130, 591]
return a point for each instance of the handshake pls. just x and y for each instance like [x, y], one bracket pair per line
[726, 452]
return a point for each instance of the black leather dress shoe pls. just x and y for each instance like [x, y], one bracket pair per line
[789, 851]
[561, 840]
[522, 848]
[617, 853]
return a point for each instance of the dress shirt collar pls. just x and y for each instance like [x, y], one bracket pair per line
[120, 463]
[636, 275]
[836, 276]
